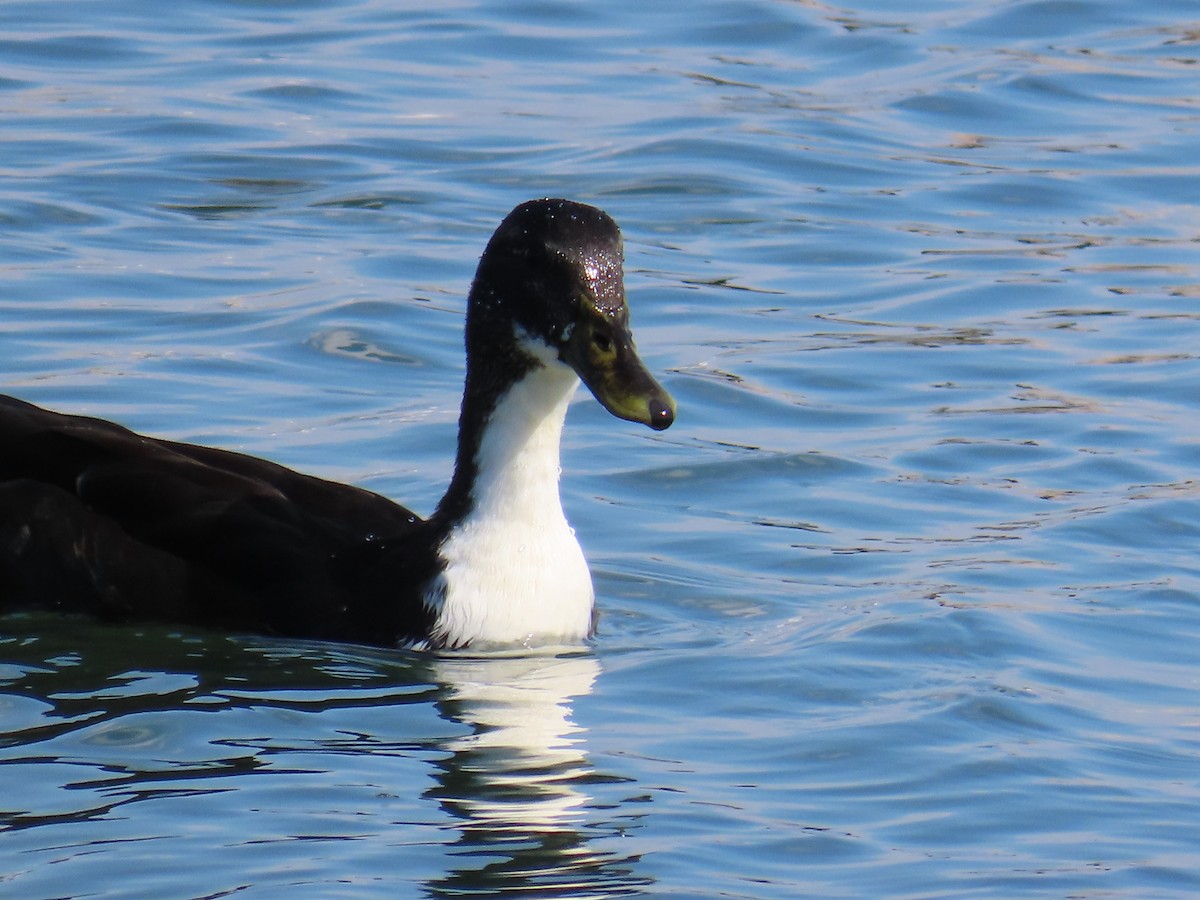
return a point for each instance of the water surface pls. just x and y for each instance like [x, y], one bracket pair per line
[907, 602]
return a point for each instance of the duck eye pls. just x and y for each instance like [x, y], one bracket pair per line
[602, 342]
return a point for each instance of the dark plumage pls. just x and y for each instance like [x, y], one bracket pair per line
[97, 519]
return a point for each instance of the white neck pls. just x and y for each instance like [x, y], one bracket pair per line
[514, 573]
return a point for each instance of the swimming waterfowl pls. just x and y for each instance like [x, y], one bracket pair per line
[97, 519]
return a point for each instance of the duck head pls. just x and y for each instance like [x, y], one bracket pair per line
[553, 270]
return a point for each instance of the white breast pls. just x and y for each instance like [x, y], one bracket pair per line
[514, 572]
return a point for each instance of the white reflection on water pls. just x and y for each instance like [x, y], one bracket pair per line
[517, 784]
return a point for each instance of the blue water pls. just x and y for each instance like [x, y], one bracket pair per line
[906, 604]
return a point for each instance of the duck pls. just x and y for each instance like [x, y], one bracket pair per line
[98, 520]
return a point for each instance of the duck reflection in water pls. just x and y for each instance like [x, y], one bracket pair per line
[518, 783]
